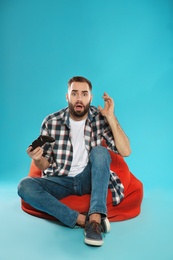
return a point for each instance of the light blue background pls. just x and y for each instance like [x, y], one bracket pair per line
[124, 47]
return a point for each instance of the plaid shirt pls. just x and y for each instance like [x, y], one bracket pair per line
[60, 153]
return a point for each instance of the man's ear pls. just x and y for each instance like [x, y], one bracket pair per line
[67, 97]
[91, 98]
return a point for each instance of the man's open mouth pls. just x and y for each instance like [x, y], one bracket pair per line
[79, 107]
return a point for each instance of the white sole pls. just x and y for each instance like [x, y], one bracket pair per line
[93, 242]
[107, 225]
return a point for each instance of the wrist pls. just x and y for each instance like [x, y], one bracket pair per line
[111, 119]
[38, 160]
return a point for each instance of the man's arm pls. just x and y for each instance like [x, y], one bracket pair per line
[37, 156]
[121, 140]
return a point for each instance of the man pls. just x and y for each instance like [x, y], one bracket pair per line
[77, 163]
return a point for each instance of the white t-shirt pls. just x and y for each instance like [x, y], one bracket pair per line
[80, 154]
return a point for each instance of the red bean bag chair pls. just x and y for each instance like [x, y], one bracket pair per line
[128, 208]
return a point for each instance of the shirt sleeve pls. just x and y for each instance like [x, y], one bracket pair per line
[47, 147]
[108, 136]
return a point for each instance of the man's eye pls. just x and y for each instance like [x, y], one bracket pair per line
[73, 94]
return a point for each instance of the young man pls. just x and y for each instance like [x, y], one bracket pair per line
[77, 163]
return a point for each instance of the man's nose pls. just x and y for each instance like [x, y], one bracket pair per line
[79, 97]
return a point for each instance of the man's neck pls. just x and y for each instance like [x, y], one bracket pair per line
[76, 118]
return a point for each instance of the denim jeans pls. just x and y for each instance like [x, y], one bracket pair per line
[44, 193]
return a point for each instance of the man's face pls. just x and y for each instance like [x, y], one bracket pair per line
[79, 98]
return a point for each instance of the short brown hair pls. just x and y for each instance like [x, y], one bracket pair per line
[80, 79]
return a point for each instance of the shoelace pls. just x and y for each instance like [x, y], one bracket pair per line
[95, 226]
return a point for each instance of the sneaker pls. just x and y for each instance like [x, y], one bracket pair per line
[93, 234]
[106, 227]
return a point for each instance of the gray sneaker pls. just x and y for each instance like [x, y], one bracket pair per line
[93, 234]
[106, 227]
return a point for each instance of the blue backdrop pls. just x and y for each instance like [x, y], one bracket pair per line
[124, 47]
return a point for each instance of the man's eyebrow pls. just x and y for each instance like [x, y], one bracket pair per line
[84, 91]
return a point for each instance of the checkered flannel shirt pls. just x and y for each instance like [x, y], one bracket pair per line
[60, 153]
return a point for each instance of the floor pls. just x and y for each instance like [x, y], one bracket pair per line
[148, 236]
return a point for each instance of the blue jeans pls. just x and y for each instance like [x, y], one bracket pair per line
[44, 193]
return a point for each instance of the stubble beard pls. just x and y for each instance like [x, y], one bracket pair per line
[78, 114]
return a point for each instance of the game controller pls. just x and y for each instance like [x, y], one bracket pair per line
[42, 139]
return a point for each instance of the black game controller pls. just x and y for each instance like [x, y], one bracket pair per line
[42, 139]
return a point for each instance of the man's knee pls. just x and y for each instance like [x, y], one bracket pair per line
[24, 186]
[100, 153]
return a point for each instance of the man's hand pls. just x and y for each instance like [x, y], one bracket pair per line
[35, 154]
[108, 110]
[120, 138]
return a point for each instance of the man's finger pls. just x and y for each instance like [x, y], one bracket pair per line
[100, 108]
